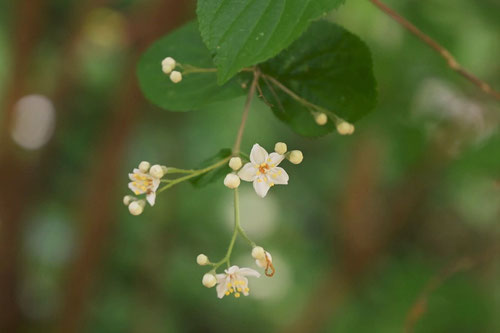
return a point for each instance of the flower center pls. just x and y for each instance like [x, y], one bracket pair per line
[263, 168]
[236, 287]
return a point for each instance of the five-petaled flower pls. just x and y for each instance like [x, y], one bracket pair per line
[263, 170]
[144, 183]
[234, 281]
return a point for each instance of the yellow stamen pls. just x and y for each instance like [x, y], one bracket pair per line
[247, 290]
[239, 289]
[227, 293]
[237, 295]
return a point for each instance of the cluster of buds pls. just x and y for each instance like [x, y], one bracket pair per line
[234, 279]
[167, 66]
[262, 169]
[145, 179]
[344, 128]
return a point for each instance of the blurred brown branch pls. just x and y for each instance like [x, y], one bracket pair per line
[419, 307]
[443, 52]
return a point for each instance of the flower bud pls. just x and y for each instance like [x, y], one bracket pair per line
[235, 163]
[209, 280]
[165, 169]
[156, 171]
[320, 118]
[167, 69]
[136, 207]
[344, 128]
[258, 252]
[168, 62]
[232, 181]
[176, 77]
[296, 157]
[280, 148]
[144, 166]
[263, 262]
[202, 260]
[127, 200]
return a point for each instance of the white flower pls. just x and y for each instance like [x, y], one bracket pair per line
[144, 183]
[232, 181]
[263, 170]
[234, 281]
[235, 163]
[176, 77]
[209, 280]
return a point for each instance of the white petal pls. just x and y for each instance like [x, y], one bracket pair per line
[221, 289]
[248, 272]
[151, 197]
[244, 286]
[135, 189]
[278, 176]
[232, 269]
[261, 186]
[275, 159]
[248, 172]
[156, 183]
[258, 155]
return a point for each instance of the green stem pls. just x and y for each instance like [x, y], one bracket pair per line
[176, 170]
[195, 173]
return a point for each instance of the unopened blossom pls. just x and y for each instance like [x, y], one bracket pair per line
[209, 280]
[296, 157]
[144, 183]
[175, 76]
[344, 128]
[263, 170]
[280, 148]
[321, 118]
[234, 281]
[136, 207]
[202, 260]
[235, 163]
[232, 181]
[264, 261]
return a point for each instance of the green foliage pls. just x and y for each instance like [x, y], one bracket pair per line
[196, 89]
[245, 33]
[214, 175]
[327, 66]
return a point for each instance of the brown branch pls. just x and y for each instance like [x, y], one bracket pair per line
[248, 102]
[452, 62]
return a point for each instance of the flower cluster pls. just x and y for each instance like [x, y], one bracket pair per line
[167, 66]
[234, 280]
[262, 169]
[144, 180]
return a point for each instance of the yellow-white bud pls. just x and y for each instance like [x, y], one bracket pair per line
[136, 207]
[232, 181]
[344, 128]
[296, 157]
[320, 118]
[127, 200]
[176, 77]
[235, 163]
[202, 260]
[167, 69]
[209, 280]
[156, 171]
[258, 252]
[262, 262]
[280, 148]
[144, 166]
[168, 61]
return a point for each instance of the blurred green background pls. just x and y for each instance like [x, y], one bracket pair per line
[393, 229]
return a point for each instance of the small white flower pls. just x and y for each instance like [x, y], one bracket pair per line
[296, 157]
[202, 260]
[176, 77]
[144, 183]
[280, 148]
[232, 181]
[263, 170]
[235, 163]
[209, 280]
[136, 207]
[156, 171]
[344, 128]
[144, 166]
[320, 118]
[234, 281]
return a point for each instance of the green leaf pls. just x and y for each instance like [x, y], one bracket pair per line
[196, 89]
[216, 174]
[328, 66]
[245, 33]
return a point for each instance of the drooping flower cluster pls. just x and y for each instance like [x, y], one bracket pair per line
[262, 169]
[144, 180]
